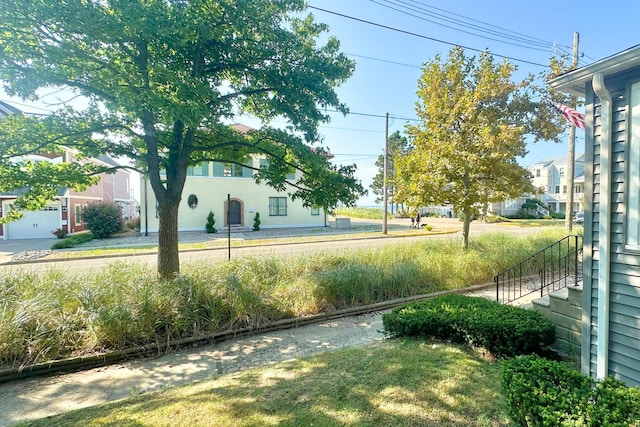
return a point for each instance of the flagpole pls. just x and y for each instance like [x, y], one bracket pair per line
[571, 157]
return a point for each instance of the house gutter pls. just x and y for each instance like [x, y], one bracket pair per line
[604, 238]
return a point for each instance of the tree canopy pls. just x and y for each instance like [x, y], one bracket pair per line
[33, 180]
[474, 119]
[161, 80]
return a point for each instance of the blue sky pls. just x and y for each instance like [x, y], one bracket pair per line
[379, 86]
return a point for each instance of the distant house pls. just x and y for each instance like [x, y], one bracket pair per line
[230, 192]
[550, 177]
[611, 298]
[65, 212]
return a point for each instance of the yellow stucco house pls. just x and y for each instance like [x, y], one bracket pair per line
[230, 192]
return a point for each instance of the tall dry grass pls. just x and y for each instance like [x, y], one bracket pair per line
[54, 315]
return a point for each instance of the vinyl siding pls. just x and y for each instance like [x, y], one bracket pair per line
[624, 321]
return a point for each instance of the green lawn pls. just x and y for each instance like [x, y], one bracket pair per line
[392, 383]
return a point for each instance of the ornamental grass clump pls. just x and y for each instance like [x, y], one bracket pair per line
[58, 314]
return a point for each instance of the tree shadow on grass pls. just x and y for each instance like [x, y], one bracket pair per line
[394, 383]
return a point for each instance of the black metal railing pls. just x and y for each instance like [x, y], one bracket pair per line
[549, 270]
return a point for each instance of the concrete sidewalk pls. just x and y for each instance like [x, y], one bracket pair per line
[40, 397]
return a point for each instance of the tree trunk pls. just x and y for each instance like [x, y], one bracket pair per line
[466, 225]
[168, 256]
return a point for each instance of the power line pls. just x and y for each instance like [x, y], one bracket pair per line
[391, 116]
[383, 60]
[538, 46]
[423, 36]
[486, 26]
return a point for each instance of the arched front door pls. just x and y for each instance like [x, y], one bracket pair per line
[235, 213]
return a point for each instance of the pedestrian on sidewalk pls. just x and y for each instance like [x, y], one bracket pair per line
[418, 219]
[413, 221]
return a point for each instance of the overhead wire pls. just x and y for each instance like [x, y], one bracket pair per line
[533, 46]
[423, 36]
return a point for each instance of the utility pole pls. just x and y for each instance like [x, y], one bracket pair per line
[571, 158]
[384, 174]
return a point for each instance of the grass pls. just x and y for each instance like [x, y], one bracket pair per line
[57, 315]
[392, 383]
[365, 213]
[534, 222]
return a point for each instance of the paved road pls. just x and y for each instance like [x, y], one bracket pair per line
[9, 247]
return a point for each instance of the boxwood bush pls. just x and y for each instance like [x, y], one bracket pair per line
[503, 330]
[541, 392]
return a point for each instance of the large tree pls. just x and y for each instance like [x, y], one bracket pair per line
[397, 145]
[474, 119]
[162, 79]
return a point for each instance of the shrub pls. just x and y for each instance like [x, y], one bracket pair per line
[542, 392]
[502, 330]
[491, 219]
[103, 219]
[256, 222]
[211, 220]
[133, 223]
[59, 233]
[73, 241]
[613, 404]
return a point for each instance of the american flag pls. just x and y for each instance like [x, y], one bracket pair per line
[573, 117]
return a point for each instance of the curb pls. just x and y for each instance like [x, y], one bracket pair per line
[88, 362]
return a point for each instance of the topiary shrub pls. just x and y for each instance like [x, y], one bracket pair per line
[503, 330]
[103, 219]
[211, 220]
[541, 392]
[256, 222]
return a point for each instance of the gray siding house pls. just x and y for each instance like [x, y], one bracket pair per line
[611, 297]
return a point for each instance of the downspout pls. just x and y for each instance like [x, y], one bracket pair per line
[604, 238]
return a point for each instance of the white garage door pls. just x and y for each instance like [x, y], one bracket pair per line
[35, 224]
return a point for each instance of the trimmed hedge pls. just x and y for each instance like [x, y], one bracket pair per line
[502, 329]
[541, 392]
[72, 241]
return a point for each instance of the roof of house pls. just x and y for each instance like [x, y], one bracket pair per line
[557, 160]
[6, 109]
[574, 81]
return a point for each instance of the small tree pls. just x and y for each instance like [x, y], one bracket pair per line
[256, 222]
[210, 223]
[103, 219]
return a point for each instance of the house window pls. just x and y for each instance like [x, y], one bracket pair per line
[564, 189]
[201, 169]
[264, 163]
[78, 215]
[557, 189]
[632, 238]
[232, 170]
[537, 173]
[578, 189]
[561, 172]
[277, 206]
[315, 210]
